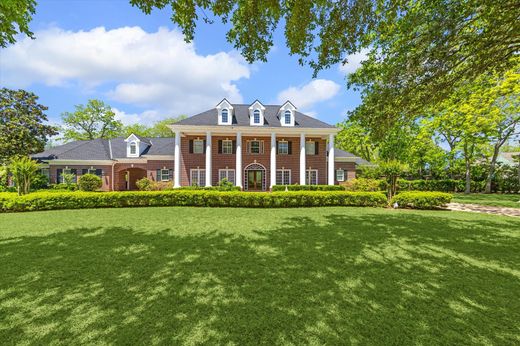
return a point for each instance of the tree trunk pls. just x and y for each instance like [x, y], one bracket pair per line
[468, 177]
[492, 167]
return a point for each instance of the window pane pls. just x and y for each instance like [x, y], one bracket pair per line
[198, 146]
[202, 177]
[224, 115]
[283, 147]
[287, 117]
[231, 176]
[309, 148]
[340, 175]
[165, 174]
[255, 147]
[227, 147]
[256, 116]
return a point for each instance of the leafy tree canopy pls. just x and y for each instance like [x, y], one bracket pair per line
[22, 124]
[15, 16]
[95, 120]
[158, 129]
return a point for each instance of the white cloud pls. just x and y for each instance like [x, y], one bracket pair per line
[353, 62]
[146, 117]
[306, 96]
[154, 70]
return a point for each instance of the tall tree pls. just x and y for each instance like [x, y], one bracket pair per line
[419, 51]
[158, 129]
[22, 124]
[95, 120]
[15, 16]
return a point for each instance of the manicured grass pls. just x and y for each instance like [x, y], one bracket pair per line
[259, 276]
[494, 199]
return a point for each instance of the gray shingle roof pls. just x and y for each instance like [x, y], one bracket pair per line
[241, 118]
[99, 149]
[338, 153]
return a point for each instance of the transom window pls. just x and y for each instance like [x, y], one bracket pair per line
[224, 115]
[283, 177]
[256, 147]
[311, 177]
[198, 146]
[198, 177]
[310, 148]
[228, 174]
[287, 117]
[227, 146]
[256, 116]
[340, 175]
[283, 147]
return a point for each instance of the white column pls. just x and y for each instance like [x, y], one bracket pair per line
[273, 160]
[238, 162]
[177, 160]
[331, 159]
[302, 159]
[208, 159]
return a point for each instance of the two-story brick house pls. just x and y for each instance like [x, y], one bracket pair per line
[254, 146]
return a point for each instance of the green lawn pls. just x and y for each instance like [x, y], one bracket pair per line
[259, 276]
[495, 199]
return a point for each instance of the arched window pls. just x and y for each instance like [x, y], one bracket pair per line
[287, 117]
[133, 148]
[224, 115]
[256, 116]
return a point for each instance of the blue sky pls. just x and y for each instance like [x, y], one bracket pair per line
[140, 65]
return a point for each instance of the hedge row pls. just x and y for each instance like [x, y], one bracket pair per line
[78, 200]
[308, 188]
[421, 199]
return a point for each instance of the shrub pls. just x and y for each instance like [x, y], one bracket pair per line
[63, 187]
[23, 170]
[76, 200]
[225, 185]
[421, 199]
[308, 188]
[40, 181]
[210, 188]
[90, 182]
[146, 184]
[364, 184]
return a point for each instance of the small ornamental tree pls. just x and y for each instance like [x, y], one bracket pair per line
[391, 171]
[23, 170]
[90, 182]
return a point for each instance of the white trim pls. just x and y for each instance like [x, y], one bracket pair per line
[80, 162]
[284, 170]
[278, 147]
[287, 107]
[227, 170]
[256, 107]
[254, 130]
[342, 171]
[208, 159]
[228, 142]
[312, 170]
[302, 159]
[272, 177]
[177, 161]
[330, 162]
[199, 173]
[238, 160]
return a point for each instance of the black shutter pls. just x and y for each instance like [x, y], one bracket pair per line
[234, 147]
[289, 150]
[158, 175]
[59, 172]
[99, 172]
[277, 147]
[191, 146]
[204, 147]
[316, 148]
[220, 146]
[84, 171]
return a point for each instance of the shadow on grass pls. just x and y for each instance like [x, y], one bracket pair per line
[397, 279]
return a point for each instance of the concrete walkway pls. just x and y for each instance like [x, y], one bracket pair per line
[476, 208]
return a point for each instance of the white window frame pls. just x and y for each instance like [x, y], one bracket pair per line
[167, 175]
[283, 172]
[224, 121]
[308, 145]
[227, 146]
[286, 143]
[227, 173]
[133, 148]
[256, 113]
[287, 115]
[340, 177]
[308, 176]
[201, 141]
[260, 147]
[201, 176]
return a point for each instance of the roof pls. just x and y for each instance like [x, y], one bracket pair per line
[105, 149]
[338, 153]
[241, 118]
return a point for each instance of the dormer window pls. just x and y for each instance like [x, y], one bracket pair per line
[133, 148]
[256, 116]
[225, 112]
[225, 115]
[286, 114]
[287, 118]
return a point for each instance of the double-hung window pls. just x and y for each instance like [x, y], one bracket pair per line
[225, 116]
[283, 147]
[340, 175]
[311, 177]
[198, 177]
[310, 148]
[287, 117]
[227, 146]
[256, 147]
[198, 146]
[283, 177]
[256, 116]
[228, 174]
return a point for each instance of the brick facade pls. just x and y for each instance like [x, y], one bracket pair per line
[348, 167]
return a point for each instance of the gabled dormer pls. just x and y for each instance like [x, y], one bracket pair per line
[286, 114]
[225, 112]
[133, 146]
[256, 114]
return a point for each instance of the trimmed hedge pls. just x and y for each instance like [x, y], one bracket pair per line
[209, 188]
[421, 199]
[78, 200]
[308, 188]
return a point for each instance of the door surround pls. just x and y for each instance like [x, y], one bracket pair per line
[254, 167]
